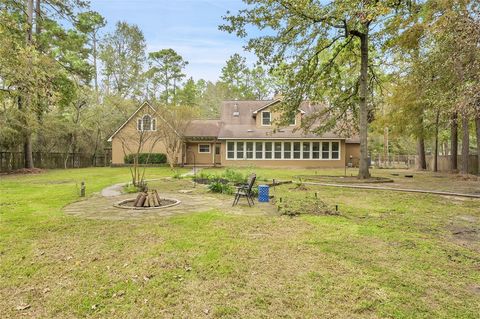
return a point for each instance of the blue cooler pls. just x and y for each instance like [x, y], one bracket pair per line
[263, 193]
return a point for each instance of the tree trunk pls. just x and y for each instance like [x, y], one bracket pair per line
[454, 142]
[27, 143]
[477, 122]
[435, 155]
[95, 62]
[465, 144]
[422, 162]
[363, 172]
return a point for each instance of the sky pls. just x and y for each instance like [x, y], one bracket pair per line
[190, 27]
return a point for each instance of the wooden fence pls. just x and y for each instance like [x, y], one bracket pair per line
[394, 161]
[444, 163]
[410, 161]
[15, 160]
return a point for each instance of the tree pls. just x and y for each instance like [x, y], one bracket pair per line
[189, 95]
[172, 125]
[242, 82]
[90, 23]
[123, 54]
[167, 70]
[310, 38]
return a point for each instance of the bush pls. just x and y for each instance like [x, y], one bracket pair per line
[219, 187]
[153, 158]
[233, 176]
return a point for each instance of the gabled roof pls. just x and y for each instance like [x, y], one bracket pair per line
[131, 116]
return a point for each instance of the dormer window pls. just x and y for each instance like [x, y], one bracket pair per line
[266, 118]
[292, 121]
[146, 123]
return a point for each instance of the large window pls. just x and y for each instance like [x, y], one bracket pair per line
[266, 118]
[296, 150]
[306, 150]
[204, 148]
[325, 150]
[240, 150]
[230, 150]
[315, 150]
[335, 150]
[249, 150]
[268, 150]
[146, 123]
[280, 150]
[287, 150]
[259, 150]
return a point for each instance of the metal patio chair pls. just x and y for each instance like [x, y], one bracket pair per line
[245, 190]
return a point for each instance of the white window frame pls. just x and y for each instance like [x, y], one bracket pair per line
[254, 158]
[209, 149]
[270, 118]
[153, 123]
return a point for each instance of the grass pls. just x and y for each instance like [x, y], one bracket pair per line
[421, 180]
[388, 255]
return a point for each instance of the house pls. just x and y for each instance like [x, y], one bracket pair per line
[245, 135]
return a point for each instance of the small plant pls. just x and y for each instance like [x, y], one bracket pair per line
[204, 175]
[233, 176]
[130, 188]
[219, 187]
[176, 174]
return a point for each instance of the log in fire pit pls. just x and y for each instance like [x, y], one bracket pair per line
[147, 200]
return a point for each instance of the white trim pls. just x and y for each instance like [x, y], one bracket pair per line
[128, 120]
[292, 152]
[270, 104]
[205, 144]
[265, 106]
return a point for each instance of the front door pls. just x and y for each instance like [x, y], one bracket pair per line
[218, 157]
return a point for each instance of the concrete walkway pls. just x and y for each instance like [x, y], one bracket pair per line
[194, 171]
[407, 190]
[113, 190]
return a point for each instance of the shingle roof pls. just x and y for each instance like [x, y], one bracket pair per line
[243, 125]
[203, 128]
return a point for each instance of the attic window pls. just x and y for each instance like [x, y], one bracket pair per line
[266, 118]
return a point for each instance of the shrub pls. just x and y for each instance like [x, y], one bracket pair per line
[152, 158]
[219, 187]
[233, 176]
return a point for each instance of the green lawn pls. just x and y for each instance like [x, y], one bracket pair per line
[388, 255]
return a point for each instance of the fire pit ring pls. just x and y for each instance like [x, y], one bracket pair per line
[164, 203]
